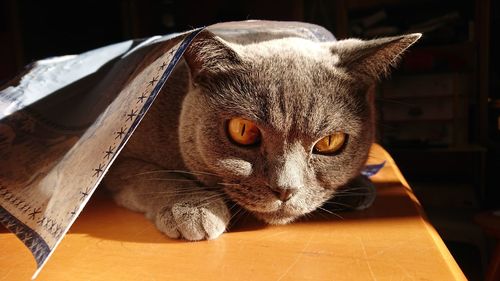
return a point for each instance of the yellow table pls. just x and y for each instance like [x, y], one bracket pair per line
[392, 240]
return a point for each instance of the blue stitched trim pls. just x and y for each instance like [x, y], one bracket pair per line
[35, 243]
[370, 170]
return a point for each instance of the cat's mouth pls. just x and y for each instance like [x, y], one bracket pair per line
[262, 204]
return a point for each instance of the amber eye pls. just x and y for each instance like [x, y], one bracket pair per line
[330, 144]
[243, 131]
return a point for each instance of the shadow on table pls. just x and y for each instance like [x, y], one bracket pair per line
[104, 219]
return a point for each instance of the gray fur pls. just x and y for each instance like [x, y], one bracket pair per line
[181, 169]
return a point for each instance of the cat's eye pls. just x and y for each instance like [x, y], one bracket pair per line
[330, 144]
[243, 131]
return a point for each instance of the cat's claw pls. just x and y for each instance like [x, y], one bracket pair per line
[194, 219]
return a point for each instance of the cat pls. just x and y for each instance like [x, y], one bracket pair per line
[278, 127]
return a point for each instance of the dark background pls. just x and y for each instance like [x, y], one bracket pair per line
[445, 137]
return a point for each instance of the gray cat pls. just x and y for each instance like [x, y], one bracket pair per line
[277, 127]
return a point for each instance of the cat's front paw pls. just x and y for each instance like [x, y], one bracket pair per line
[194, 219]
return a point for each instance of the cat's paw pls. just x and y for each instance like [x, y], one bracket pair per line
[194, 219]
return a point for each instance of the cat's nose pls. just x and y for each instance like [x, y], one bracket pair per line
[284, 194]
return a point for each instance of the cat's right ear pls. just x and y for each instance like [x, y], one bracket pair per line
[208, 54]
[369, 60]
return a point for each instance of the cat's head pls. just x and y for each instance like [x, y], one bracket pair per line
[285, 122]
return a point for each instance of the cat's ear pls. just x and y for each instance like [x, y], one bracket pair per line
[209, 54]
[371, 59]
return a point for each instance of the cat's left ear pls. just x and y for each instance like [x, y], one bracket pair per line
[371, 59]
[209, 54]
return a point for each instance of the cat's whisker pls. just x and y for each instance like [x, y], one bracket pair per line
[235, 219]
[330, 212]
[233, 206]
[175, 171]
[235, 214]
[319, 213]
[351, 188]
[226, 183]
[166, 179]
[337, 209]
[357, 193]
[351, 194]
[337, 204]
[210, 199]
[307, 217]
[183, 191]
[179, 191]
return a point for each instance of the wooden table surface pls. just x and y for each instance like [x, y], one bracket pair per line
[392, 240]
